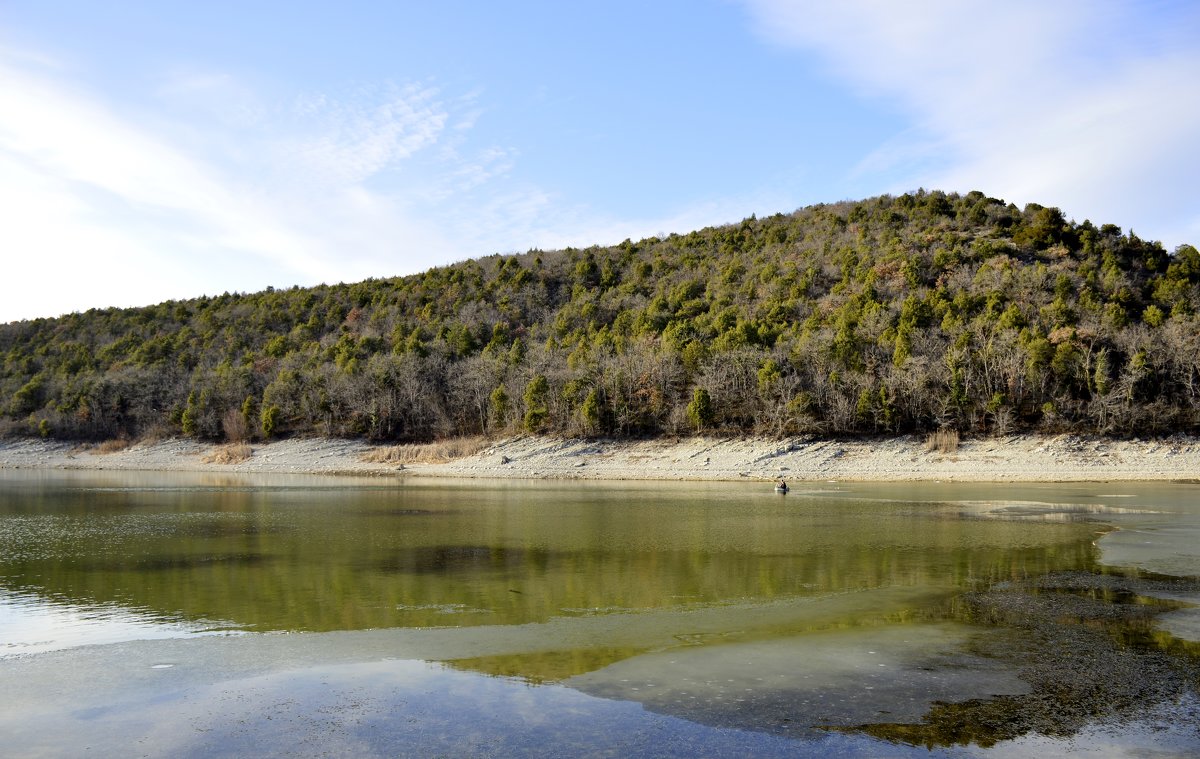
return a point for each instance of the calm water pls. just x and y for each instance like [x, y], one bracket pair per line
[558, 618]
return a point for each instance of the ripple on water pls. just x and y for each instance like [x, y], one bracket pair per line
[31, 624]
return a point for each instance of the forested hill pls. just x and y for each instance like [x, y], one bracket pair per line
[893, 314]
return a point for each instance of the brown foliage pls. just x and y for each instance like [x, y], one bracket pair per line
[427, 453]
[942, 441]
[114, 445]
[232, 453]
[233, 424]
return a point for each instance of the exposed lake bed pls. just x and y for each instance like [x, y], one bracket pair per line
[318, 617]
[1014, 458]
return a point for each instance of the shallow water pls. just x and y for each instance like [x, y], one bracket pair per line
[488, 618]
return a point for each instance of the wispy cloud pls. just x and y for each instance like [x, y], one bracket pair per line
[120, 209]
[200, 184]
[532, 218]
[123, 193]
[1087, 105]
[357, 139]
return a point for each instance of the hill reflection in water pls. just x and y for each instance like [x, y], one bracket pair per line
[720, 604]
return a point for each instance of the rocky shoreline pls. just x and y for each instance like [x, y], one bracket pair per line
[1025, 458]
[1090, 646]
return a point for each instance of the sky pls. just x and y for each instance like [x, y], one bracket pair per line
[152, 151]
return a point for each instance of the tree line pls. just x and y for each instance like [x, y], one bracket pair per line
[895, 314]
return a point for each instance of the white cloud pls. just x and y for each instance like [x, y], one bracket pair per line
[109, 208]
[1088, 106]
[201, 185]
[532, 218]
[117, 207]
[355, 140]
[59, 258]
[209, 189]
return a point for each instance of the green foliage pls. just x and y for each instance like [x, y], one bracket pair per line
[700, 410]
[498, 405]
[586, 271]
[248, 411]
[1012, 318]
[863, 408]
[189, 420]
[270, 420]
[694, 355]
[29, 397]
[1153, 316]
[516, 352]
[1101, 373]
[591, 410]
[536, 412]
[769, 377]
[892, 313]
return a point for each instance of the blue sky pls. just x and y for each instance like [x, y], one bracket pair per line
[156, 150]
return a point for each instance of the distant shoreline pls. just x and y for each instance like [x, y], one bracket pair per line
[1020, 458]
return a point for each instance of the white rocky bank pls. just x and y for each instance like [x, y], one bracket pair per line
[1025, 458]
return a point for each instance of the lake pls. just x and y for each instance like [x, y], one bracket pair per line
[201, 615]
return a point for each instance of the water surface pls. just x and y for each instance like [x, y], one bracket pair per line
[719, 613]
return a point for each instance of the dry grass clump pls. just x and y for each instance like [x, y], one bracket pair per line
[426, 453]
[230, 453]
[235, 427]
[942, 441]
[114, 445]
[156, 434]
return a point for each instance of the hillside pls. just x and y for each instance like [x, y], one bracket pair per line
[894, 314]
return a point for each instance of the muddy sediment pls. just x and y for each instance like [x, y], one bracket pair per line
[1088, 647]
